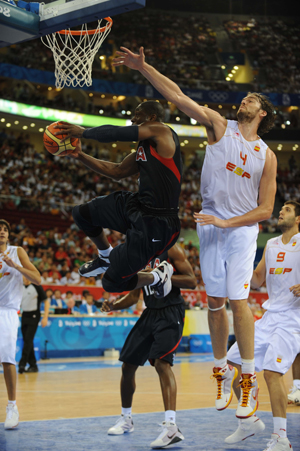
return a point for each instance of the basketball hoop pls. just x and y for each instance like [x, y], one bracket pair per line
[74, 52]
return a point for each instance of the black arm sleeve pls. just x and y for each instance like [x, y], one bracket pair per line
[41, 293]
[111, 133]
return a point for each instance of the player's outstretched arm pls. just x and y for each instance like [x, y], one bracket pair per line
[185, 277]
[259, 274]
[170, 90]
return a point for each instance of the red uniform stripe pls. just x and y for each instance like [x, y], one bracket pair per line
[168, 162]
[176, 346]
[172, 238]
[158, 253]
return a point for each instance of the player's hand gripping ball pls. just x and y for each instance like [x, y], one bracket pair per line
[53, 144]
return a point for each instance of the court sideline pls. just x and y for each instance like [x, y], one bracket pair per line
[70, 404]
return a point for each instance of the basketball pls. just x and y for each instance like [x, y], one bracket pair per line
[53, 144]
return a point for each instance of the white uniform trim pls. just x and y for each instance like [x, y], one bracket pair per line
[230, 181]
[9, 322]
[226, 260]
[231, 174]
[11, 289]
[11, 281]
[277, 334]
[276, 342]
[282, 272]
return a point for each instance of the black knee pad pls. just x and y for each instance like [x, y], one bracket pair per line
[82, 217]
[118, 286]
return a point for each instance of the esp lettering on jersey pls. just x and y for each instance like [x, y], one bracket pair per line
[280, 270]
[237, 170]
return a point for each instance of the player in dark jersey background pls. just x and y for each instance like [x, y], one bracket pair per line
[155, 337]
[149, 217]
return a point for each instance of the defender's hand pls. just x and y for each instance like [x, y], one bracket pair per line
[203, 219]
[295, 290]
[132, 60]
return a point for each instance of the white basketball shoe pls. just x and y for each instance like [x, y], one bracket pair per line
[164, 286]
[169, 435]
[247, 428]
[123, 425]
[294, 396]
[12, 416]
[278, 443]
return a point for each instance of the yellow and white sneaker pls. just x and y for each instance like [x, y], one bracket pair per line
[248, 402]
[225, 377]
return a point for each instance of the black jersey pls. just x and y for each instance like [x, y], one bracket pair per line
[160, 178]
[173, 298]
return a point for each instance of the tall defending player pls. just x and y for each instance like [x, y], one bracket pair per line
[277, 334]
[155, 337]
[14, 264]
[149, 217]
[238, 169]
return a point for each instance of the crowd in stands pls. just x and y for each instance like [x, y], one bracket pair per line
[33, 180]
[288, 179]
[184, 48]
[22, 91]
[273, 47]
[37, 182]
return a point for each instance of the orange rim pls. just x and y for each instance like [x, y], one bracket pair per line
[80, 32]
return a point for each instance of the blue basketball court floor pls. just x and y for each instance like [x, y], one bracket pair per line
[204, 429]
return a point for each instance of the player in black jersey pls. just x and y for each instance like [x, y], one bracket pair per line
[154, 337]
[149, 218]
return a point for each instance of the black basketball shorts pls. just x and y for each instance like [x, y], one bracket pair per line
[156, 335]
[147, 235]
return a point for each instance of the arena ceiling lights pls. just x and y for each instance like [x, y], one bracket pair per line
[85, 120]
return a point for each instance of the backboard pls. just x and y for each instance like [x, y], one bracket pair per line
[17, 25]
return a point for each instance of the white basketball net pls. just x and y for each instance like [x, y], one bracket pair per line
[74, 53]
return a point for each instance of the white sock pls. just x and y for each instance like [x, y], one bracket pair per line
[248, 366]
[220, 363]
[279, 426]
[156, 279]
[105, 252]
[296, 382]
[12, 402]
[170, 416]
[126, 411]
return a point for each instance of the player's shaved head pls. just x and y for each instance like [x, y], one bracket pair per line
[152, 107]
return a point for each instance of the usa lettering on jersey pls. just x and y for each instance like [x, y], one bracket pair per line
[140, 154]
